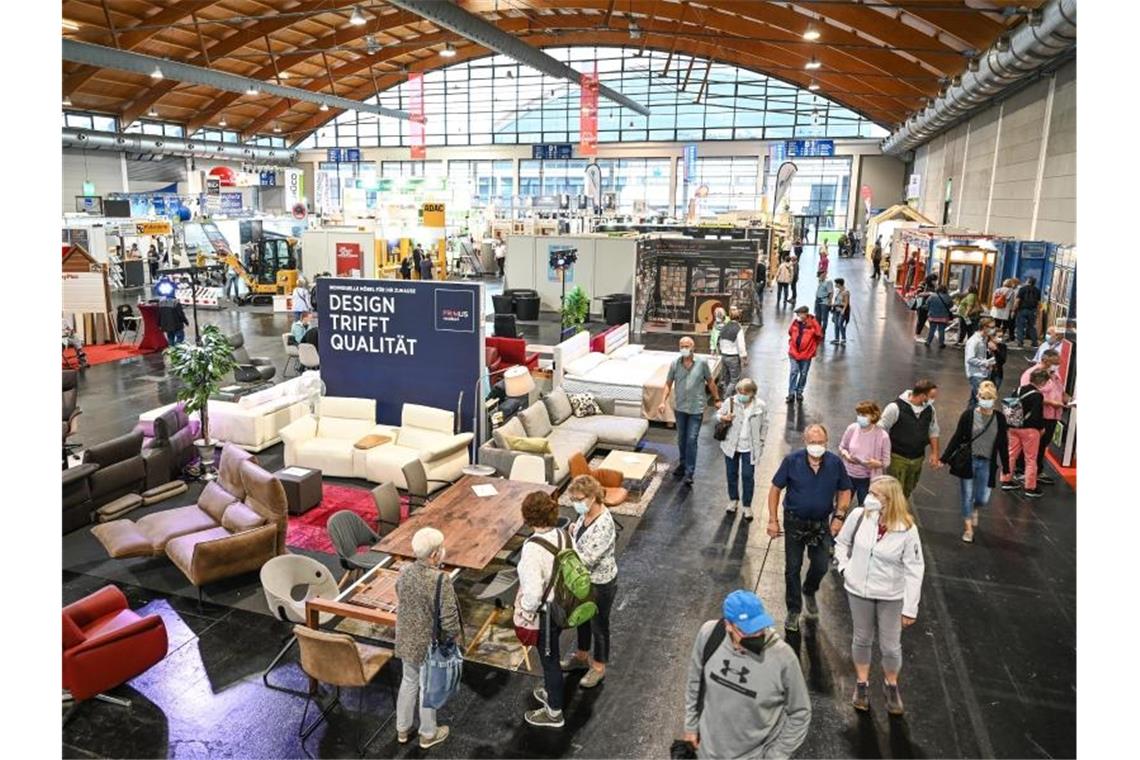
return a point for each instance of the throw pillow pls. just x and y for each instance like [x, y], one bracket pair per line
[536, 420]
[558, 406]
[371, 441]
[512, 427]
[239, 517]
[529, 445]
[584, 404]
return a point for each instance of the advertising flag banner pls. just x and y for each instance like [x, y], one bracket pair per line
[588, 121]
[402, 342]
[416, 109]
[784, 177]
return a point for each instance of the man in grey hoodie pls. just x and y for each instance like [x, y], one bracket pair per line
[748, 699]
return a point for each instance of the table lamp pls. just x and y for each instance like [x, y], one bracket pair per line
[518, 382]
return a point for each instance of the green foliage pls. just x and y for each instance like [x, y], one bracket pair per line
[201, 368]
[576, 308]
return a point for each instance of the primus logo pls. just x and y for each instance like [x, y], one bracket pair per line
[454, 315]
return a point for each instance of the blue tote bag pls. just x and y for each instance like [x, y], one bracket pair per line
[443, 667]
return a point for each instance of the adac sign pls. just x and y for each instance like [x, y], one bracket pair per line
[434, 215]
[152, 228]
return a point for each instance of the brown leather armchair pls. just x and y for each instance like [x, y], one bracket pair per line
[236, 526]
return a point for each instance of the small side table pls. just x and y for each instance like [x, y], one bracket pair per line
[302, 488]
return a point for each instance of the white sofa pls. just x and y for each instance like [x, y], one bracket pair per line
[254, 422]
[325, 441]
[425, 433]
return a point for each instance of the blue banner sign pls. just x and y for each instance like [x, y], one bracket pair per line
[344, 155]
[1033, 249]
[552, 150]
[402, 342]
[808, 148]
[691, 162]
[230, 203]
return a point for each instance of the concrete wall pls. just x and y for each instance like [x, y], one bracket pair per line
[886, 178]
[1012, 167]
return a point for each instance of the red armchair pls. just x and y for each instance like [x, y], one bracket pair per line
[513, 351]
[105, 644]
[492, 359]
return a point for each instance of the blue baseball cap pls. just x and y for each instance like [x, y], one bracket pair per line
[745, 610]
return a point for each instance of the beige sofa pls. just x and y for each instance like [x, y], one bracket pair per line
[552, 419]
[254, 422]
[427, 434]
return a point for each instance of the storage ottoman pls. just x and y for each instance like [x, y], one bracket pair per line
[302, 488]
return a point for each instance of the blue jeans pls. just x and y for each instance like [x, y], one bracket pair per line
[688, 428]
[975, 491]
[739, 466]
[174, 337]
[940, 327]
[551, 659]
[862, 486]
[975, 381]
[841, 319]
[1026, 323]
[822, 311]
[797, 378]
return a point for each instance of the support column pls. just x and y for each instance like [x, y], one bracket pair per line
[1041, 155]
[993, 168]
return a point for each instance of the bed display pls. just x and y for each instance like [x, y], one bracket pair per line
[632, 375]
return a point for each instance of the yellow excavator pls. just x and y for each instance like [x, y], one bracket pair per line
[271, 268]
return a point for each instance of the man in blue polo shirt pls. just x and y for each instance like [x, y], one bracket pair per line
[816, 485]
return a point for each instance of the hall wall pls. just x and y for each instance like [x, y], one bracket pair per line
[1012, 168]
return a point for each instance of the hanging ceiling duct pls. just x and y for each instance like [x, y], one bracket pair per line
[122, 60]
[1048, 34]
[450, 16]
[159, 145]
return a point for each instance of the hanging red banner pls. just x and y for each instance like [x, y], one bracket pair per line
[588, 121]
[416, 109]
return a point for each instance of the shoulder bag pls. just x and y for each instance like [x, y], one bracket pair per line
[959, 458]
[443, 666]
[720, 432]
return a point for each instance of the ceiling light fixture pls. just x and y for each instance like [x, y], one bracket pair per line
[324, 106]
[152, 113]
[70, 26]
[276, 129]
[283, 75]
[812, 34]
[357, 18]
[448, 51]
[252, 90]
[813, 86]
[634, 31]
[67, 102]
[156, 74]
[812, 64]
[222, 122]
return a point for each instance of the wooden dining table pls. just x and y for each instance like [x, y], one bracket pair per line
[475, 528]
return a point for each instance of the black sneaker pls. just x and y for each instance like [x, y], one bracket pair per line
[799, 397]
[894, 699]
[1046, 479]
[811, 609]
[1032, 493]
[861, 699]
[688, 480]
[790, 398]
[1011, 485]
[679, 472]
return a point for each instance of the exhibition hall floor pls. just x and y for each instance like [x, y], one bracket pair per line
[989, 667]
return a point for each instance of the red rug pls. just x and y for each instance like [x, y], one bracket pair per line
[108, 352]
[308, 531]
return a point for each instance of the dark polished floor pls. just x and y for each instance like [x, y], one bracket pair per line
[989, 668]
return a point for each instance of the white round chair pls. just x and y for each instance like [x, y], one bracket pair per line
[528, 468]
[289, 581]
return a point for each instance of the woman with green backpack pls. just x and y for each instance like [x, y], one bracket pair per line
[595, 538]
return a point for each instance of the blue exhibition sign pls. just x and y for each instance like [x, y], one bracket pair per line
[809, 148]
[344, 155]
[552, 150]
[401, 342]
[230, 203]
[691, 162]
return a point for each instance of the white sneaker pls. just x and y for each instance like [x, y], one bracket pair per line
[731, 508]
[748, 514]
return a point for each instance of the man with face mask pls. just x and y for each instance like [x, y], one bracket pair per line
[1052, 343]
[804, 336]
[979, 363]
[688, 378]
[912, 423]
[818, 492]
[745, 695]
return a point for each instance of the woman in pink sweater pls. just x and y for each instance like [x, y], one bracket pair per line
[865, 448]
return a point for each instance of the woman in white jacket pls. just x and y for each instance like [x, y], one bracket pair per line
[880, 558]
[744, 443]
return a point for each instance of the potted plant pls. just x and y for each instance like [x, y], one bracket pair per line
[575, 310]
[201, 368]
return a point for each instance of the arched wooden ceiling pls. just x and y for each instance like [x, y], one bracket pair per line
[880, 58]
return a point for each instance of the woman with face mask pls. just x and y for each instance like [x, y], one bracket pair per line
[744, 442]
[865, 448]
[880, 557]
[594, 537]
[983, 435]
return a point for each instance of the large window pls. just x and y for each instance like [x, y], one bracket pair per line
[552, 176]
[731, 183]
[495, 100]
[821, 188]
[485, 181]
[638, 182]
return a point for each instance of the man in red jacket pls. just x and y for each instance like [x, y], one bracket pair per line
[804, 337]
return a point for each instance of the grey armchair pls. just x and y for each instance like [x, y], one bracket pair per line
[348, 532]
[419, 484]
[249, 369]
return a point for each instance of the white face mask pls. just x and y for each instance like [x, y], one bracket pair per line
[580, 506]
[871, 503]
[686, 353]
[816, 450]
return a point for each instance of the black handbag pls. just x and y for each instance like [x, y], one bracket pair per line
[682, 750]
[959, 458]
[720, 432]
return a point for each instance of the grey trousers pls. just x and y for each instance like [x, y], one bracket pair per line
[730, 372]
[409, 699]
[864, 614]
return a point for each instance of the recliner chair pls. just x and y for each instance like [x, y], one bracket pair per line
[71, 410]
[109, 470]
[174, 431]
[249, 369]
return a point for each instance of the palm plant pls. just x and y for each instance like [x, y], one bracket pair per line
[201, 367]
[576, 309]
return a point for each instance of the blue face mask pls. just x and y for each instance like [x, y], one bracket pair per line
[580, 507]
[863, 420]
[986, 403]
[742, 398]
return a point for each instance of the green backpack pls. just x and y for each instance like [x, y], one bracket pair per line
[573, 601]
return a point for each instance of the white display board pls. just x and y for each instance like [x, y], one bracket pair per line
[84, 293]
[605, 265]
[318, 250]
